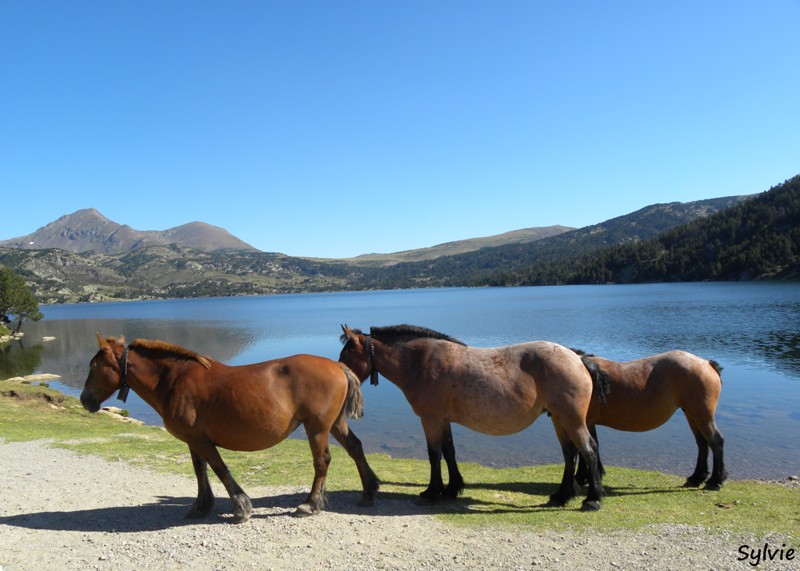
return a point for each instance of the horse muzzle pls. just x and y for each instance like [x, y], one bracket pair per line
[89, 402]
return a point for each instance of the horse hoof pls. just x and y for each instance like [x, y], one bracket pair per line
[556, 502]
[197, 513]
[201, 507]
[712, 487]
[242, 508]
[590, 506]
[366, 502]
[304, 510]
[424, 501]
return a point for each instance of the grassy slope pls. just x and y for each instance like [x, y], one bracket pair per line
[510, 497]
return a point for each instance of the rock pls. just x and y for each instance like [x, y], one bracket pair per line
[120, 415]
[38, 378]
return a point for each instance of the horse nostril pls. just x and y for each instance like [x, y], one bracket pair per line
[88, 403]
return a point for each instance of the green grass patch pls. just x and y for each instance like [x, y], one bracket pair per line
[508, 497]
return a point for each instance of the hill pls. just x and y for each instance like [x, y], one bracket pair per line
[88, 230]
[756, 239]
[482, 266]
[523, 236]
[175, 270]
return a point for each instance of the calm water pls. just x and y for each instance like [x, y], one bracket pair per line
[751, 329]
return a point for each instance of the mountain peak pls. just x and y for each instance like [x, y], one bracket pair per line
[87, 229]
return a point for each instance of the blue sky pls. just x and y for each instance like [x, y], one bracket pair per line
[337, 128]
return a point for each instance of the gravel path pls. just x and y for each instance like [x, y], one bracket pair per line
[61, 511]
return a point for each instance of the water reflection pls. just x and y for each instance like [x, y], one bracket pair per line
[18, 361]
[751, 329]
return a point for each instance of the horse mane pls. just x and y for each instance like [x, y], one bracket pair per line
[399, 333]
[158, 346]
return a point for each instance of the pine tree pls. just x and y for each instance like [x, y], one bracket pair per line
[16, 300]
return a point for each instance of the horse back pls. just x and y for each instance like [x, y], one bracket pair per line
[251, 407]
[645, 393]
[297, 378]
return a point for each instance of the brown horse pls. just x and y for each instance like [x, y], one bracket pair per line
[494, 391]
[250, 407]
[644, 394]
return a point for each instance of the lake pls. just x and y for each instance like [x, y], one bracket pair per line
[752, 329]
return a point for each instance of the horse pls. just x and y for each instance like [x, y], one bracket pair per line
[645, 393]
[207, 404]
[496, 391]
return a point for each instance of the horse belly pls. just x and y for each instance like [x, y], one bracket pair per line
[637, 415]
[248, 436]
[495, 416]
[245, 421]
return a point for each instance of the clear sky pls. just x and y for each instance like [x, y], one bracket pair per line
[336, 128]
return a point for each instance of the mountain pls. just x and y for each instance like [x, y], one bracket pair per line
[469, 245]
[480, 266]
[755, 239]
[88, 230]
[175, 270]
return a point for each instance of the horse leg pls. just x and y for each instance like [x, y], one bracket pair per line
[350, 442]
[568, 488]
[707, 435]
[433, 437]
[321, 454]
[590, 452]
[581, 440]
[205, 495]
[582, 476]
[242, 507]
[701, 467]
[455, 483]
[719, 474]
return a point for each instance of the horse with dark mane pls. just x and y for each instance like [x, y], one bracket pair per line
[645, 393]
[207, 404]
[495, 391]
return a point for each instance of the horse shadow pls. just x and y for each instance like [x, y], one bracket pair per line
[467, 504]
[167, 512]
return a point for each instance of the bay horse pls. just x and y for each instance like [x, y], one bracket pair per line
[207, 404]
[645, 393]
[496, 391]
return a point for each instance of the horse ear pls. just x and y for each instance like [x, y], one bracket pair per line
[121, 340]
[348, 333]
[100, 341]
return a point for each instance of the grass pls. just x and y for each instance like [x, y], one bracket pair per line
[508, 497]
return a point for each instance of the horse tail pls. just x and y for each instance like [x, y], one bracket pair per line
[354, 402]
[600, 378]
[717, 367]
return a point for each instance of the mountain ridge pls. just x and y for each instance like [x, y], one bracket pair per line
[88, 230]
[178, 271]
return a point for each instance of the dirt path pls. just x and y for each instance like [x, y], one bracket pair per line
[62, 512]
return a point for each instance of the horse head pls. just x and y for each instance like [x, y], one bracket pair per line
[358, 354]
[105, 373]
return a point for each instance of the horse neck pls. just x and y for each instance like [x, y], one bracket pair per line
[146, 378]
[392, 360]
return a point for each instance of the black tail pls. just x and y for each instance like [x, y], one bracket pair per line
[602, 382]
[716, 366]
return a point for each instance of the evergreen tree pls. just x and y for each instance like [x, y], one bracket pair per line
[16, 299]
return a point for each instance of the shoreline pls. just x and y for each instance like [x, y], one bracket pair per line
[96, 523]
[120, 414]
